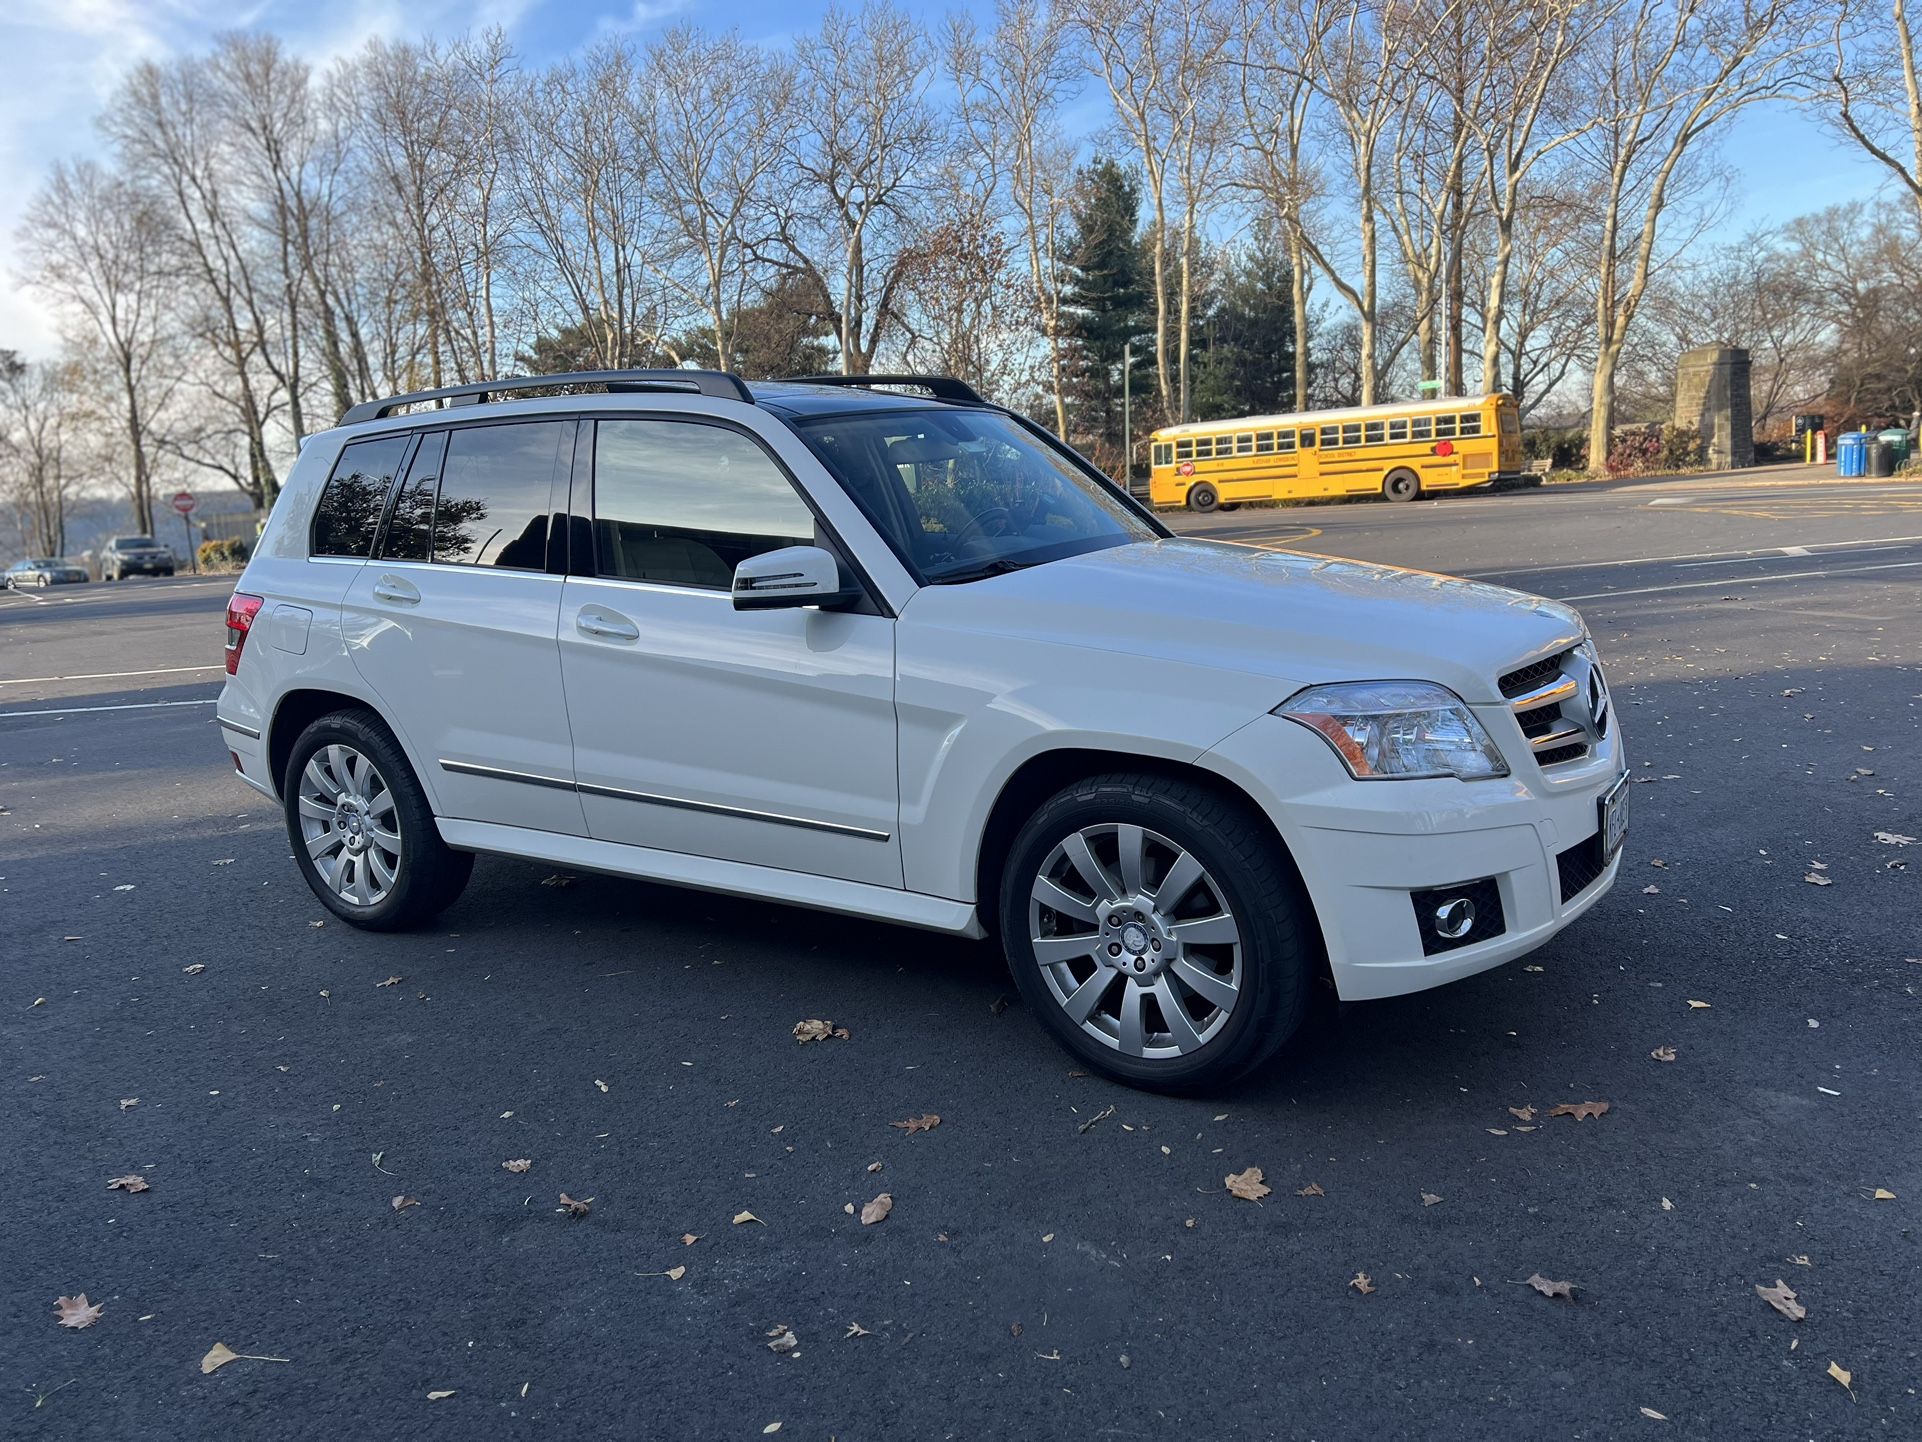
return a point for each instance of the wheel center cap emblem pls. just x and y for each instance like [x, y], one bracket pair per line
[1134, 936]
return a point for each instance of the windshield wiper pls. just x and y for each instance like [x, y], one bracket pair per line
[980, 570]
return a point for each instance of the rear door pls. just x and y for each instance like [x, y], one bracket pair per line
[765, 737]
[452, 622]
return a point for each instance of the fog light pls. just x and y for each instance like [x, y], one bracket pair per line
[1455, 918]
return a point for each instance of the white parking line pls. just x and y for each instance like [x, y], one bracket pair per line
[1742, 581]
[83, 710]
[109, 675]
[1816, 548]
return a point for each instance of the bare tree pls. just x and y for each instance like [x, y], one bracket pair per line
[1879, 105]
[714, 113]
[868, 143]
[38, 470]
[1011, 88]
[89, 243]
[1666, 74]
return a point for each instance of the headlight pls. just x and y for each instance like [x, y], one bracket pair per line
[1397, 730]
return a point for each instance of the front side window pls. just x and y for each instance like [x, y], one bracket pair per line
[679, 503]
[962, 494]
[1184, 450]
[350, 506]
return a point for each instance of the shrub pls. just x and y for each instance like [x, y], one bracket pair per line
[1634, 453]
[223, 555]
[1681, 448]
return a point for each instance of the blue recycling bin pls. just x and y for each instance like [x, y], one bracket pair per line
[1852, 454]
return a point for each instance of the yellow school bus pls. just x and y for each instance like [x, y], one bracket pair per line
[1402, 451]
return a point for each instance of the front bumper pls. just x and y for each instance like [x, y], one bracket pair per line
[144, 568]
[1363, 849]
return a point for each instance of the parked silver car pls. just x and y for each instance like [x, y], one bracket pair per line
[45, 571]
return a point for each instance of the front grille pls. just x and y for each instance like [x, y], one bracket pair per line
[1551, 701]
[1581, 866]
[1489, 921]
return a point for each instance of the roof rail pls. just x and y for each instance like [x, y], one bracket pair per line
[942, 388]
[720, 384]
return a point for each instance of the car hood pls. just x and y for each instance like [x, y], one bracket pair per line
[1299, 618]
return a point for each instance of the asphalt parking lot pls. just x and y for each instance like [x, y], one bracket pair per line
[1062, 1259]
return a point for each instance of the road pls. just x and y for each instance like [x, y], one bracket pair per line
[1062, 1259]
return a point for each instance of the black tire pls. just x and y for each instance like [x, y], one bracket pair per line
[1279, 942]
[1402, 486]
[430, 874]
[1203, 498]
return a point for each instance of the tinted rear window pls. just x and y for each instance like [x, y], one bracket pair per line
[350, 506]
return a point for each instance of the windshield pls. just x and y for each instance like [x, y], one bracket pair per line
[130, 543]
[966, 494]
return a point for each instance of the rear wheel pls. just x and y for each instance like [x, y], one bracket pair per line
[1401, 486]
[362, 831]
[1152, 927]
[1203, 498]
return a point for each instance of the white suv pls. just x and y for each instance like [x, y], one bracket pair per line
[906, 656]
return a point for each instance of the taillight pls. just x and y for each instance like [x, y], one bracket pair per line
[241, 611]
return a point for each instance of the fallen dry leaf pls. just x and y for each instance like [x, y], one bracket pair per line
[1844, 1376]
[195, 969]
[1698, 1006]
[877, 1210]
[599, 1083]
[1313, 1189]
[1651, 891]
[126, 1102]
[784, 1341]
[1523, 1114]
[1663, 1053]
[573, 1207]
[391, 981]
[440, 1396]
[855, 1329]
[1361, 1283]
[1882, 1194]
[741, 1217]
[1782, 1297]
[1801, 1261]
[816, 1030]
[688, 1239]
[918, 1124]
[1890, 838]
[674, 1274]
[1246, 1185]
[770, 1429]
[128, 1183]
[1429, 1199]
[1653, 1415]
[874, 1166]
[401, 1204]
[518, 1165]
[1551, 1289]
[1815, 878]
[1581, 1111]
[76, 1312]
[220, 1354]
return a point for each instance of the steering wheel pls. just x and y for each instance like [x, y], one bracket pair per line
[978, 523]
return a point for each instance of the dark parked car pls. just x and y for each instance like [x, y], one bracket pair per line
[135, 556]
[45, 571]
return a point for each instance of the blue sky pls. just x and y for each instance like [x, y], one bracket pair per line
[58, 58]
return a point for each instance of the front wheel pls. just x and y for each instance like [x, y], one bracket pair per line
[362, 831]
[1155, 930]
[1401, 486]
[1203, 498]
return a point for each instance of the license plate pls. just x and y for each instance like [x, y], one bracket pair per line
[1614, 807]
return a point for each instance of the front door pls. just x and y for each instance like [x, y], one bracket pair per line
[452, 623]
[765, 737]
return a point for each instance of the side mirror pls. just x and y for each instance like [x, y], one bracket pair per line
[792, 576]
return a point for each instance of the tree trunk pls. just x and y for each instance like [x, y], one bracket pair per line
[1298, 303]
[1601, 420]
[1497, 303]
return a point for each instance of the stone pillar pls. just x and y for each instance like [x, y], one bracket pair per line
[1712, 395]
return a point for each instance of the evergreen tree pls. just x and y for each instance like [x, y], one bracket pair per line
[1245, 343]
[1105, 301]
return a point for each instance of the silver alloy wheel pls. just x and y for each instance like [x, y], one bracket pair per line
[1136, 941]
[350, 824]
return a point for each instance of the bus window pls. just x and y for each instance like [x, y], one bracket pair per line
[1330, 436]
[1444, 427]
[1285, 440]
[1351, 434]
[1307, 438]
[1471, 423]
[1264, 443]
[1397, 431]
[1245, 444]
[1184, 450]
[1372, 433]
[1511, 422]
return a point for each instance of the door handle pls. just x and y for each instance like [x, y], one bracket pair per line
[393, 588]
[606, 625]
